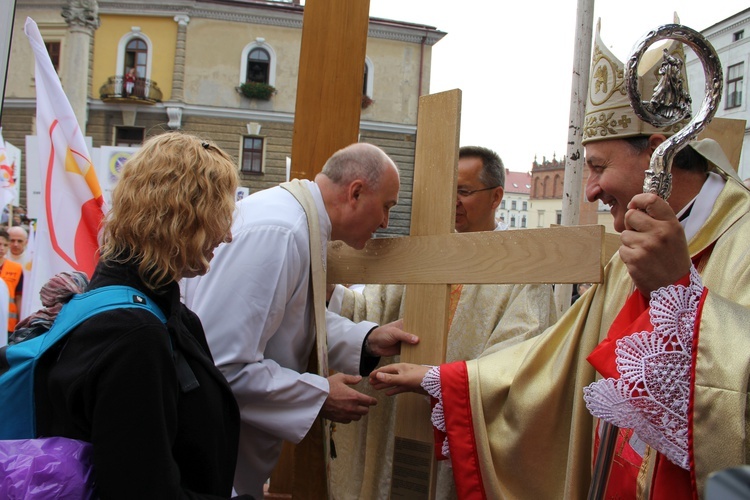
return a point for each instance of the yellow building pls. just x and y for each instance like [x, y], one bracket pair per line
[203, 66]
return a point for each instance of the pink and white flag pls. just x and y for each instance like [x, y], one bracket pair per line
[7, 176]
[68, 229]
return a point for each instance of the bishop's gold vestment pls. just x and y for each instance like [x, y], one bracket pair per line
[533, 433]
[487, 318]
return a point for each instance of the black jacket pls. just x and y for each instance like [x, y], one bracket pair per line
[113, 382]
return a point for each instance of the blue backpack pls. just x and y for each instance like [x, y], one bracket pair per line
[18, 362]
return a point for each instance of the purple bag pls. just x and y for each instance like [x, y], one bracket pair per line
[44, 468]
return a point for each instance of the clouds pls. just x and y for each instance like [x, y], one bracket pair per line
[514, 60]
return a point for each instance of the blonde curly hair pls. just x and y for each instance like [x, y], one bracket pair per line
[171, 207]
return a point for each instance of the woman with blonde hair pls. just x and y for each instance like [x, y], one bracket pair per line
[161, 418]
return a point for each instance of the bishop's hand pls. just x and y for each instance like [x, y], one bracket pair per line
[653, 245]
[399, 377]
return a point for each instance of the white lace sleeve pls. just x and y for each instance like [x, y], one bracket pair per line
[431, 384]
[653, 391]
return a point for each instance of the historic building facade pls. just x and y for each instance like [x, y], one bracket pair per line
[547, 187]
[547, 180]
[515, 208]
[731, 40]
[224, 69]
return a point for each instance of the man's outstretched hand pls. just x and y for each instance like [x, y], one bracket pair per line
[345, 404]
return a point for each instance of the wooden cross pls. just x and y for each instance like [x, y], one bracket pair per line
[433, 257]
[326, 119]
[428, 261]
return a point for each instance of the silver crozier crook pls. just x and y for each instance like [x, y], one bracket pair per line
[670, 103]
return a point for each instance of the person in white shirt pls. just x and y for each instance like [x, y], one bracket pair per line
[255, 304]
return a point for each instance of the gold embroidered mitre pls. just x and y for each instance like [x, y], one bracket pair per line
[608, 111]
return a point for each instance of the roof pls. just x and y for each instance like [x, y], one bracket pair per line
[517, 182]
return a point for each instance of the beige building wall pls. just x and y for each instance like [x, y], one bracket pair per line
[543, 213]
[396, 67]
[222, 43]
[20, 80]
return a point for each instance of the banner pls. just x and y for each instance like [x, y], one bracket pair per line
[108, 161]
[73, 205]
[8, 168]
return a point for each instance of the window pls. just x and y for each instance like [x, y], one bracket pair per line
[252, 155]
[559, 218]
[136, 56]
[524, 205]
[258, 65]
[523, 221]
[736, 37]
[129, 136]
[53, 49]
[512, 221]
[540, 222]
[368, 78]
[502, 204]
[734, 85]
[513, 205]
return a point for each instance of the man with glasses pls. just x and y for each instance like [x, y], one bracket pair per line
[483, 319]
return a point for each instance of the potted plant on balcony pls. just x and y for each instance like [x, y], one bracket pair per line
[257, 90]
[366, 101]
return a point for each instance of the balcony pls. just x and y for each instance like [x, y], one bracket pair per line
[143, 91]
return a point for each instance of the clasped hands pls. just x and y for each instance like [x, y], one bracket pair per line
[344, 403]
[653, 248]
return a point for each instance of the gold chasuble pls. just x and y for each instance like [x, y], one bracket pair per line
[532, 434]
[484, 318]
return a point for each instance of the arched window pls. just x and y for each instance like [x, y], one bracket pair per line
[258, 65]
[368, 78]
[134, 50]
[136, 56]
[133, 65]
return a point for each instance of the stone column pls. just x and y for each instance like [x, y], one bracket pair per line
[82, 17]
[174, 111]
[178, 76]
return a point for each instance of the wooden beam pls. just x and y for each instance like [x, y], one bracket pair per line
[329, 85]
[326, 119]
[426, 306]
[560, 255]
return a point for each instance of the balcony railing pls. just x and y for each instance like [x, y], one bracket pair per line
[142, 91]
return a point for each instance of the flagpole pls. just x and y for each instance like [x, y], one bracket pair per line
[573, 180]
[7, 14]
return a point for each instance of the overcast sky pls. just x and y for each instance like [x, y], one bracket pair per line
[513, 60]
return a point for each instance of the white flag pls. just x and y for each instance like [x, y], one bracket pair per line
[7, 177]
[68, 228]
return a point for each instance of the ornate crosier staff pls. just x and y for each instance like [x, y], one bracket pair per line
[668, 105]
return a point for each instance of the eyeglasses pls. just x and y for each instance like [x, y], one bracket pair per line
[463, 193]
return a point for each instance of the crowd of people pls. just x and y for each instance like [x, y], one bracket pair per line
[198, 406]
